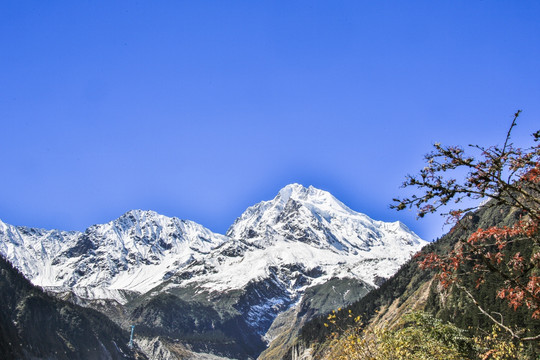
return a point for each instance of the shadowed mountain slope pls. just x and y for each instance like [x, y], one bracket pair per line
[33, 325]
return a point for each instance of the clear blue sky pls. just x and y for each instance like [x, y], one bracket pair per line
[199, 109]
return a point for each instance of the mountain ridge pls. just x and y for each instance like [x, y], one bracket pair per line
[151, 247]
[135, 250]
[221, 294]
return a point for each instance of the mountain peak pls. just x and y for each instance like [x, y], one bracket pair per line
[311, 197]
[291, 189]
[315, 216]
[139, 214]
[299, 191]
[259, 218]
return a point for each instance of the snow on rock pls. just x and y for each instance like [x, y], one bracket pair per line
[158, 349]
[310, 227]
[135, 252]
[32, 250]
[301, 237]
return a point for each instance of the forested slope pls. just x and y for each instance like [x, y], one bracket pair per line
[36, 325]
[402, 293]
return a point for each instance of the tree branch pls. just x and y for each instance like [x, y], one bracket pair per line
[498, 323]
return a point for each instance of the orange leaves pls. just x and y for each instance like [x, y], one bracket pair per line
[535, 259]
[495, 257]
[430, 261]
[498, 233]
[486, 250]
[516, 297]
[454, 262]
[526, 228]
[528, 295]
[533, 175]
[443, 264]
[507, 176]
[533, 286]
[516, 263]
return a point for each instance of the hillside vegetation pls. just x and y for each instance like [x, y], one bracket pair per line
[474, 293]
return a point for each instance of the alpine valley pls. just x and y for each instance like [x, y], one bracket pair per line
[195, 294]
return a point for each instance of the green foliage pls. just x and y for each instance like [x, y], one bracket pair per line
[436, 332]
[418, 336]
[497, 346]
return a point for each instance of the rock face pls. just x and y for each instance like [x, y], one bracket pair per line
[218, 293]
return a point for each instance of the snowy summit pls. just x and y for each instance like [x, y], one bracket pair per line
[303, 228]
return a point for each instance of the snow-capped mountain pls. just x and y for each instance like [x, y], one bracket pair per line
[301, 227]
[183, 279]
[132, 253]
[307, 228]
[279, 248]
[33, 250]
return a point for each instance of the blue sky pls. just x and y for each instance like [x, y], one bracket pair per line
[199, 109]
